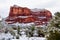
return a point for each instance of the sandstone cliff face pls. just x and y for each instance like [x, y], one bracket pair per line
[19, 11]
[26, 15]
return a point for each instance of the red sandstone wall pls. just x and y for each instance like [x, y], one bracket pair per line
[15, 12]
[19, 11]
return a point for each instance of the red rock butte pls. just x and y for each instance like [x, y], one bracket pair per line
[26, 15]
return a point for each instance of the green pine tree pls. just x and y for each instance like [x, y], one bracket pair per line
[53, 27]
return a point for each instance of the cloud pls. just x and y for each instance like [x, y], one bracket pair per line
[52, 5]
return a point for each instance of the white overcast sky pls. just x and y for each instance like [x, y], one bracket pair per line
[52, 5]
